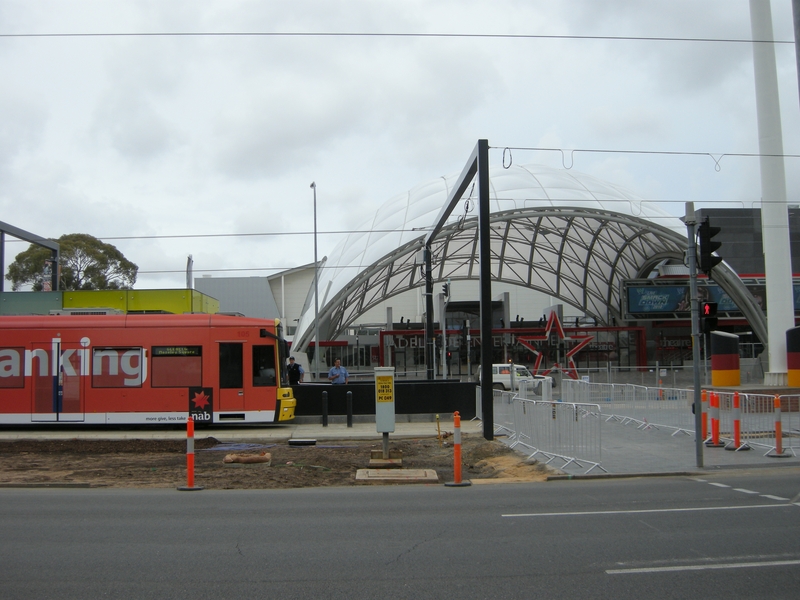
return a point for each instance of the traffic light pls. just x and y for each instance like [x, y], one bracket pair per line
[446, 289]
[705, 234]
[708, 316]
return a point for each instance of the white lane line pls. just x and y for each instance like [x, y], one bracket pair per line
[744, 491]
[774, 563]
[720, 485]
[771, 497]
[643, 511]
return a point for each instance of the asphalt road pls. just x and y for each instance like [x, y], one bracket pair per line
[734, 534]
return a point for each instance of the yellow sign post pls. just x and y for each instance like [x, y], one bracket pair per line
[384, 404]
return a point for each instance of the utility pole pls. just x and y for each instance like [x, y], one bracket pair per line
[317, 347]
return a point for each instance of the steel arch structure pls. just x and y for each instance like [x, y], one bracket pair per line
[580, 256]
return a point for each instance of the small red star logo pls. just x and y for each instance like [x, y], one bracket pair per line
[200, 400]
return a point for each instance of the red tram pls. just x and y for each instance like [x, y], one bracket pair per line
[143, 369]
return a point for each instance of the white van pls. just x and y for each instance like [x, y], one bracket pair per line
[501, 376]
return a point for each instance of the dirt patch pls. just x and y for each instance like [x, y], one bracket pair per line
[154, 463]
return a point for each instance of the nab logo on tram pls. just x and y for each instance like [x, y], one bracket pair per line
[201, 404]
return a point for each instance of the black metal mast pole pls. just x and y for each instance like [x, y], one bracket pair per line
[485, 266]
[429, 339]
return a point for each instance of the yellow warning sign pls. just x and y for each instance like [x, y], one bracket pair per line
[384, 388]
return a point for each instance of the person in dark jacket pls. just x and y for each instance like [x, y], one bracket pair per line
[296, 372]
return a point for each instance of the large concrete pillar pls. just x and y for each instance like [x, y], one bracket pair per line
[774, 208]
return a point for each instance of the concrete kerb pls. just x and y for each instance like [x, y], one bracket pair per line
[703, 471]
[250, 434]
[566, 477]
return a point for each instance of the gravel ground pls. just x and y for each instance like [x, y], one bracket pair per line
[151, 463]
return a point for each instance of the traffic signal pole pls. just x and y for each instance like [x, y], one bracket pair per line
[691, 258]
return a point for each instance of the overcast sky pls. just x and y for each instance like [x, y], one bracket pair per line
[139, 136]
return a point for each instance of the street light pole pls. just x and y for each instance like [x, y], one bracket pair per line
[316, 289]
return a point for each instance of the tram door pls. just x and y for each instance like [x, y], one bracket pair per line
[58, 393]
[231, 376]
[264, 375]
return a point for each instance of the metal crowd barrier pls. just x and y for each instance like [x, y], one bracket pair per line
[758, 416]
[645, 407]
[564, 431]
[670, 408]
[539, 389]
[503, 407]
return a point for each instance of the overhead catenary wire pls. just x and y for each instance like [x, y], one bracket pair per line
[388, 34]
[715, 156]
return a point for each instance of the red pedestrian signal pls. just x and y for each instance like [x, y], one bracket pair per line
[708, 316]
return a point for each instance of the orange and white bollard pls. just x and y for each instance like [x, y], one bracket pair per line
[714, 410]
[737, 445]
[457, 454]
[189, 487]
[778, 451]
[704, 408]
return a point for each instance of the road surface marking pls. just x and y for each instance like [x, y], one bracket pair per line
[643, 511]
[744, 491]
[774, 563]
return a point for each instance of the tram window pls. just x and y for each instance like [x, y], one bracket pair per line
[116, 367]
[177, 366]
[231, 365]
[12, 367]
[264, 366]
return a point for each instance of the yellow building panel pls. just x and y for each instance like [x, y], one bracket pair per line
[204, 304]
[171, 301]
[115, 299]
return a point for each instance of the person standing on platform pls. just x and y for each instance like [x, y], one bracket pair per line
[296, 372]
[338, 374]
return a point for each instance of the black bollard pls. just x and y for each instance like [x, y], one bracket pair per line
[349, 409]
[324, 409]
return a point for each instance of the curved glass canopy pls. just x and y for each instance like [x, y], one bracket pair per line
[559, 232]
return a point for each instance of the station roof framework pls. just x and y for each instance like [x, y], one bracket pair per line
[560, 232]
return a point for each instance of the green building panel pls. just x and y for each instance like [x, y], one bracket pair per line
[29, 303]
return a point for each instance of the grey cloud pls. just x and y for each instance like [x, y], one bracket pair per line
[22, 125]
[133, 126]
